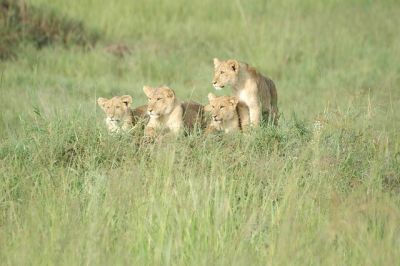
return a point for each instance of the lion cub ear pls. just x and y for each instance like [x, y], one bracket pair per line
[127, 99]
[101, 102]
[233, 64]
[211, 96]
[148, 91]
[168, 91]
[217, 62]
[234, 101]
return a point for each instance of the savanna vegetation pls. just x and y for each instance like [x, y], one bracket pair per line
[322, 188]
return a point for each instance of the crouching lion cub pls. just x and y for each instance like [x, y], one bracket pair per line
[255, 90]
[168, 114]
[119, 115]
[227, 113]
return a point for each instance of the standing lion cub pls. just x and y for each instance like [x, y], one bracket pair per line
[119, 114]
[168, 114]
[252, 88]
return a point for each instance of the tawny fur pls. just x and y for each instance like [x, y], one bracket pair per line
[119, 115]
[227, 114]
[253, 89]
[168, 114]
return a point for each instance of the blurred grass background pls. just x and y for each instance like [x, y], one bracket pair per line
[71, 194]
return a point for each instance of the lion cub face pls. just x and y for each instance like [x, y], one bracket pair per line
[116, 108]
[161, 101]
[225, 73]
[222, 109]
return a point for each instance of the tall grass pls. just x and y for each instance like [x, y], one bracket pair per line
[295, 194]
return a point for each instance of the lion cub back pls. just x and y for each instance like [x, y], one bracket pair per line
[139, 115]
[193, 115]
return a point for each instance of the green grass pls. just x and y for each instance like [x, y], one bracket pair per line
[70, 194]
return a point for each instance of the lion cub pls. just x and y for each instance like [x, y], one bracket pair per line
[227, 113]
[255, 90]
[168, 114]
[119, 115]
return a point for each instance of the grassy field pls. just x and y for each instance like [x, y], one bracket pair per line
[298, 194]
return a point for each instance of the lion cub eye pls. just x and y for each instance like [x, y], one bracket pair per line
[158, 99]
[222, 107]
[222, 72]
[117, 106]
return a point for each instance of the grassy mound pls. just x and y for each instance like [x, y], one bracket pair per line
[197, 200]
[21, 22]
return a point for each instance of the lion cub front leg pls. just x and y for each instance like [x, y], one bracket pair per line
[244, 116]
[127, 126]
[151, 128]
[176, 128]
[150, 131]
[149, 134]
[255, 114]
[112, 126]
[211, 128]
[250, 99]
